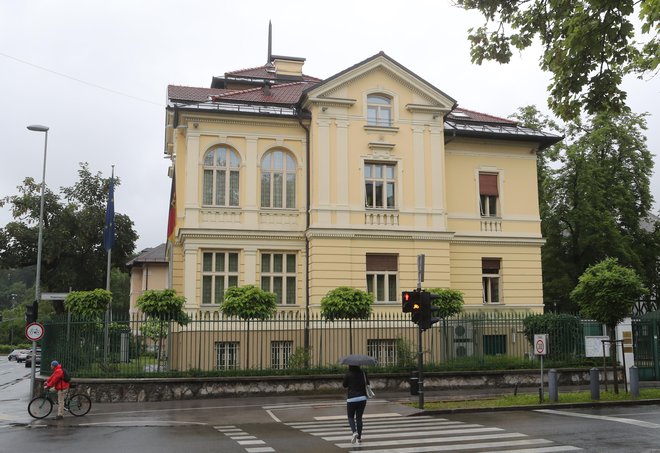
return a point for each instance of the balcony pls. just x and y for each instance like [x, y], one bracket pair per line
[381, 218]
[491, 224]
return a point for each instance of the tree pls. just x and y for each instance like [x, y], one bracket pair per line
[607, 293]
[249, 302]
[162, 307]
[91, 304]
[73, 256]
[594, 198]
[448, 303]
[588, 46]
[349, 303]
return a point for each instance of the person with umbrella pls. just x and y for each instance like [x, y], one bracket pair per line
[356, 381]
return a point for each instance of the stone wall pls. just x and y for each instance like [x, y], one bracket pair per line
[151, 389]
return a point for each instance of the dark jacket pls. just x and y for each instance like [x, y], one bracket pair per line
[354, 382]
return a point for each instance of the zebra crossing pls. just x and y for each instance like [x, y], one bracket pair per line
[400, 434]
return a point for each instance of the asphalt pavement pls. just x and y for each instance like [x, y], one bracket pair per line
[15, 396]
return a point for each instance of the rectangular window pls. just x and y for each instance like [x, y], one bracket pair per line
[219, 272]
[488, 194]
[278, 275]
[382, 273]
[384, 351]
[494, 344]
[280, 351]
[379, 185]
[490, 271]
[226, 355]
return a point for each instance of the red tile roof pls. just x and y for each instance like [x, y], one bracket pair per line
[192, 94]
[263, 72]
[281, 94]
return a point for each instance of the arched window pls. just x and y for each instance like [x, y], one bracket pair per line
[379, 110]
[278, 180]
[221, 177]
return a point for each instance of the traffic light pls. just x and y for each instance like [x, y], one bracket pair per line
[427, 310]
[32, 312]
[408, 299]
[422, 311]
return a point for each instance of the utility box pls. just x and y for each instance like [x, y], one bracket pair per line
[414, 386]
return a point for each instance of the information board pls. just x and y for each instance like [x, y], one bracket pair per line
[593, 346]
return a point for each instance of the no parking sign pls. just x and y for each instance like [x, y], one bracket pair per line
[540, 344]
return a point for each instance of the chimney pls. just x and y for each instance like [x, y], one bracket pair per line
[266, 89]
[288, 67]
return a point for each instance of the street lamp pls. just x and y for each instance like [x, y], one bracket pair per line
[37, 283]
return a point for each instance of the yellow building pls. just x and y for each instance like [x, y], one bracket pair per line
[148, 271]
[299, 185]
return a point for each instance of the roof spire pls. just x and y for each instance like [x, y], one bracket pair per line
[270, 42]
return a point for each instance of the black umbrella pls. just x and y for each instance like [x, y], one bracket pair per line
[358, 359]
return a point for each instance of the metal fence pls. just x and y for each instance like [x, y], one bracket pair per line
[212, 344]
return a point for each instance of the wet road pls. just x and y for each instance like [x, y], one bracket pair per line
[317, 425]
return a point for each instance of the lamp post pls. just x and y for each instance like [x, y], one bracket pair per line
[37, 282]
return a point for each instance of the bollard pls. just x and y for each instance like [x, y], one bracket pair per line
[553, 389]
[594, 383]
[634, 381]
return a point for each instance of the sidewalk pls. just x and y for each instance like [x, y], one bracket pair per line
[14, 401]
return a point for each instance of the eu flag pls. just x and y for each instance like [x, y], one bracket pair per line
[109, 228]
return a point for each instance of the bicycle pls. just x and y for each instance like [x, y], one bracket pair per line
[77, 404]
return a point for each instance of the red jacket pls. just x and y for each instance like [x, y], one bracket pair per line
[56, 380]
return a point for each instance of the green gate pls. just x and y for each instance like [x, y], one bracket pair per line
[645, 345]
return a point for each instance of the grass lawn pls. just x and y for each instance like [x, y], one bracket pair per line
[533, 399]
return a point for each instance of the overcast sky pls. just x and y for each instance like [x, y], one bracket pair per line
[96, 73]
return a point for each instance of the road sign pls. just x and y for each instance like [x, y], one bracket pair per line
[53, 296]
[540, 344]
[34, 331]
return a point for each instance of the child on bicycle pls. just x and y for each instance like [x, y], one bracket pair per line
[56, 380]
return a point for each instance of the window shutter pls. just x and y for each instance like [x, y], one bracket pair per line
[381, 263]
[488, 184]
[490, 264]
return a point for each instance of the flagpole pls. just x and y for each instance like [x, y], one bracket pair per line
[108, 240]
[171, 227]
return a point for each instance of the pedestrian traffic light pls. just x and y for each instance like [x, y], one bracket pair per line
[408, 299]
[32, 312]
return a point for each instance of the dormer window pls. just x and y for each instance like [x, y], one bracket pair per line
[379, 110]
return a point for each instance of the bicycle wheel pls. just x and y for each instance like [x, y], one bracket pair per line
[40, 407]
[79, 405]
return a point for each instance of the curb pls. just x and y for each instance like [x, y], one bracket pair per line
[533, 407]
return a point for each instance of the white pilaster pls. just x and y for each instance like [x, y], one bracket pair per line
[342, 180]
[191, 205]
[419, 166]
[323, 173]
[249, 183]
[250, 267]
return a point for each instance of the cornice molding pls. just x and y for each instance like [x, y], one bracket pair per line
[379, 129]
[247, 121]
[331, 102]
[185, 234]
[378, 234]
[509, 241]
[419, 108]
[379, 146]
